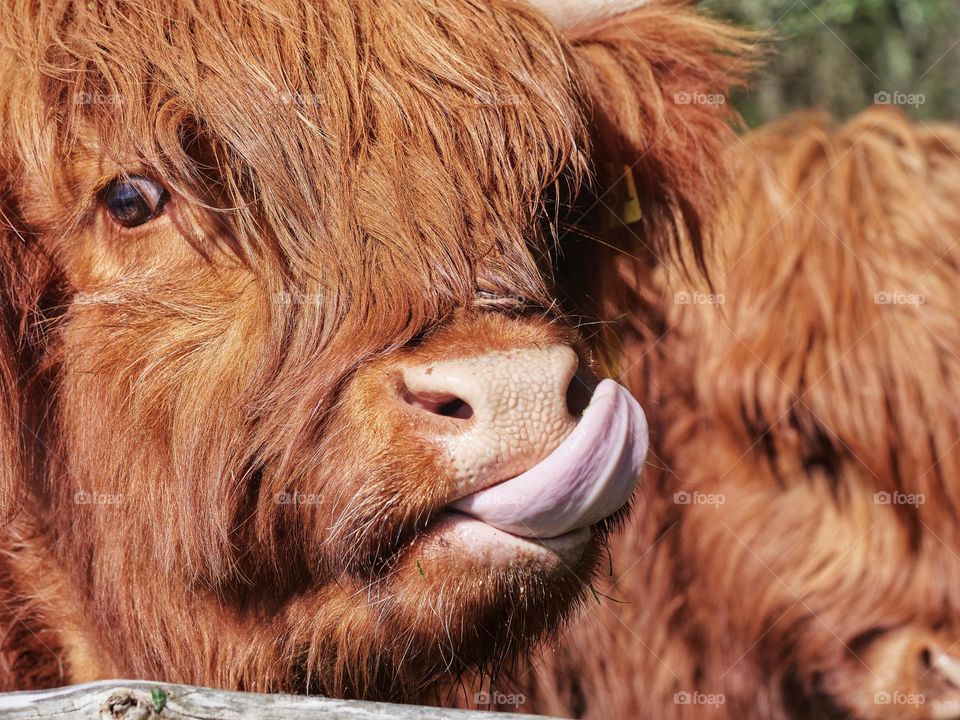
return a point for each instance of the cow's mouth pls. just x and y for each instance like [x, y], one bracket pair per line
[587, 478]
[551, 508]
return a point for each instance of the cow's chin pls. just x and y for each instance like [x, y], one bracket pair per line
[473, 595]
[459, 536]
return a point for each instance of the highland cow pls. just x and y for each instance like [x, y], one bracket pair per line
[300, 312]
[796, 553]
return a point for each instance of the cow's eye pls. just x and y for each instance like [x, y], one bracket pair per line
[134, 199]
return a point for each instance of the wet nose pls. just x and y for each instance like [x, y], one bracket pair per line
[497, 414]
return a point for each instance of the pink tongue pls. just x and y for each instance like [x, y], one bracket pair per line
[587, 478]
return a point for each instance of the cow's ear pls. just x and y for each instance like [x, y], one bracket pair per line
[656, 81]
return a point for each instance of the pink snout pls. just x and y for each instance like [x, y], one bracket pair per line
[533, 449]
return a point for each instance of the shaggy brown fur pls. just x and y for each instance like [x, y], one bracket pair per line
[394, 172]
[781, 585]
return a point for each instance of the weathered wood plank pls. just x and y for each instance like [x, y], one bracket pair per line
[138, 700]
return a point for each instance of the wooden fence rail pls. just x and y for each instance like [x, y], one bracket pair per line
[138, 700]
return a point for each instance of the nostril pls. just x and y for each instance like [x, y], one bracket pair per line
[443, 404]
[580, 391]
[504, 394]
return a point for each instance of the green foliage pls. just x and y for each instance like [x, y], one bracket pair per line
[842, 55]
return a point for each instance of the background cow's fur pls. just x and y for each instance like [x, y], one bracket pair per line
[780, 584]
[376, 164]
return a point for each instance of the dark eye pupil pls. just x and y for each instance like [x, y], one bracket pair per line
[133, 200]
